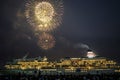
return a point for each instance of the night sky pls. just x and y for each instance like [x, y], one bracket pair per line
[86, 24]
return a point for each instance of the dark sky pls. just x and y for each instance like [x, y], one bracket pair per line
[92, 24]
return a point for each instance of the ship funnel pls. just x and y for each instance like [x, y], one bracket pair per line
[91, 54]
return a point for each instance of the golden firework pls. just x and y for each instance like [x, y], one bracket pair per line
[44, 12]
[44, 15]
[46, 41]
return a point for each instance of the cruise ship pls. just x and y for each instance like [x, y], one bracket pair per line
[89, 64]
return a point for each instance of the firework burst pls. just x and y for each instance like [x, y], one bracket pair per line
[44, 15]
[46, 41]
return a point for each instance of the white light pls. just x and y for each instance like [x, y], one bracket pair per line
[91, 54]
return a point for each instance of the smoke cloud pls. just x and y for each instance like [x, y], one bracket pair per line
[81, 45]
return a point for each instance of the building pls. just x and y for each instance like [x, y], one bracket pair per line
[91, 63]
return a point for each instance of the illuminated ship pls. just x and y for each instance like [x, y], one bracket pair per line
[91, 63]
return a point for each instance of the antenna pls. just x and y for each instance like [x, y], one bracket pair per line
[25, 56]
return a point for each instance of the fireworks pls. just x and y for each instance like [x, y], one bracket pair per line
[44, 15]
[46, 41]
[44, 12]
